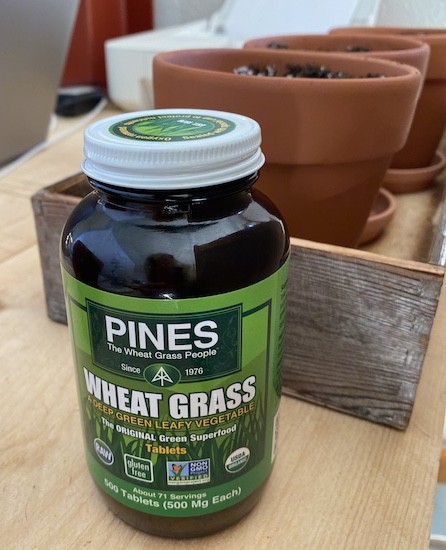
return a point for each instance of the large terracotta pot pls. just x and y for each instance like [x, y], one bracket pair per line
[429, 121]
[393, 48]
[327, 142]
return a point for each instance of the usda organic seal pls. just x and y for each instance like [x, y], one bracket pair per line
[237, 460]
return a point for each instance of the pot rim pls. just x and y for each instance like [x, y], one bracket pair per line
[434, 37]
[406, 44]
[398, 71]
[420, 33]
[385, 46]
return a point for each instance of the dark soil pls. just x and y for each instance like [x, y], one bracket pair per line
[350, 49]
[277, 46]
[299, 71]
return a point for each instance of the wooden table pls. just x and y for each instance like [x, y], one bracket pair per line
[339, 482]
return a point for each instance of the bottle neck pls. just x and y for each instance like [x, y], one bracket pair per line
[128, 197]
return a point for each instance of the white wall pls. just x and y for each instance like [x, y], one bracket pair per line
[269, 16]
[412, 13]
[177, 12]
[422, 13]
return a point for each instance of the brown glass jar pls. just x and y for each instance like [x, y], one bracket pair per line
[175, 278]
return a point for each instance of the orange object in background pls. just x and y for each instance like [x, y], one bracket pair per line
[97, 21]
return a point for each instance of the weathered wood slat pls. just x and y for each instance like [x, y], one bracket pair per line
[51, 207]
[357, 331]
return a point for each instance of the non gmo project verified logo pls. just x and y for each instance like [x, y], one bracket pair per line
[190, 472]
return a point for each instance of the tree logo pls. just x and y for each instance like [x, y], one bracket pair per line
[162, 375]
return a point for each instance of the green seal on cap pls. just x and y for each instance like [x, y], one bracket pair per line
[172, 127]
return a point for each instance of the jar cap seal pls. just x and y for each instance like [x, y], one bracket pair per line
[172, 149]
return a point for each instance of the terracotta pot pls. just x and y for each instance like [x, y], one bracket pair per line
[430, 117]
[327, 142]
[392, 48]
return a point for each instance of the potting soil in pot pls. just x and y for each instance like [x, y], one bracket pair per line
[299, 71]
[350, 49]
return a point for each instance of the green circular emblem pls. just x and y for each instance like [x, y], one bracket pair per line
[237, 460]
[172, 127]
[162, 375]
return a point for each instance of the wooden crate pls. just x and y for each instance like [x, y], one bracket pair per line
[358, 323]
[52, 206]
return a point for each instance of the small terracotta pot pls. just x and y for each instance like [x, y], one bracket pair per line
[392, 48]
[430, 117]
[327, 142]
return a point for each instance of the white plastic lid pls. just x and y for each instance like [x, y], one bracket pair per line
[171, 149]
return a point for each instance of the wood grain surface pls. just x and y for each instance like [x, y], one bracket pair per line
[358, 330]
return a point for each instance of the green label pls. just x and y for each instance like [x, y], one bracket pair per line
[179, 398]
[172, 127]
[201, 346]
